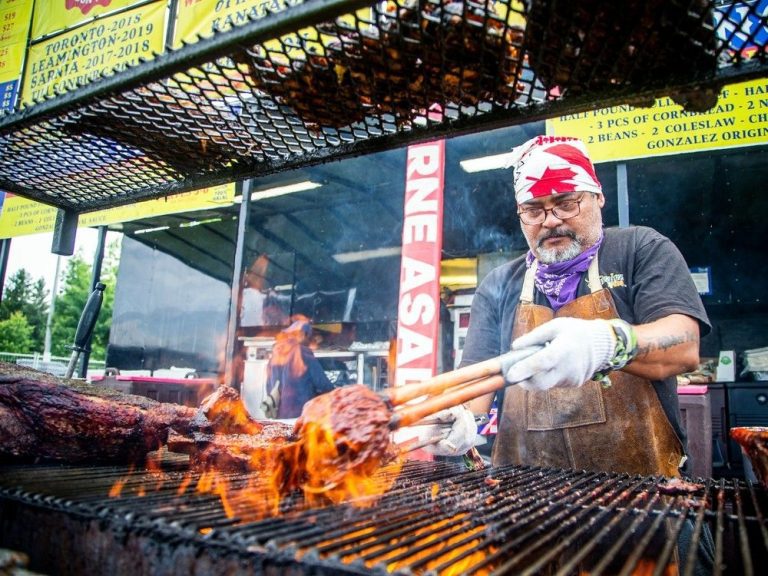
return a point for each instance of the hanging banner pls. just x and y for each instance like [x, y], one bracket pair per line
[197, 19]
[54, 15]
[97, 49]
[201, 18]
[418, 317]
[740, 118]
[15, 18]
[21, 216]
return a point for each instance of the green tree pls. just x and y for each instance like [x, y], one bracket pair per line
[27, 297]
[16, 293]
[36, 311]
[16, 334]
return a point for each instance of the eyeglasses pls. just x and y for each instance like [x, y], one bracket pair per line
[562, 211]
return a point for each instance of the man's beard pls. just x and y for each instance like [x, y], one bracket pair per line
[552, 255]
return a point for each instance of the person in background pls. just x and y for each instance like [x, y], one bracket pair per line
[254, 295]
[615, 313]
[294, 375]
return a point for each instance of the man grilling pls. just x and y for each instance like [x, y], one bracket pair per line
[617, 311]
[619, 317]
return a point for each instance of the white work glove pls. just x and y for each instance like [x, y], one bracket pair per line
[457, 421]
[462, 435]
[575, 349]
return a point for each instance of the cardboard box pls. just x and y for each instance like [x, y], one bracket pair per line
[726, 366]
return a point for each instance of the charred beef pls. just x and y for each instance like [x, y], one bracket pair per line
[225, 438]
[223, 412]
[587, 46]
[44, 418]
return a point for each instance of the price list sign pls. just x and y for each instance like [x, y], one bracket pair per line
[15, 18]
[21, 216]
[98, 48]
[740, 118]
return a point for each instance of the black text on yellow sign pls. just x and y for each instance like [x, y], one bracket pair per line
[740, 118]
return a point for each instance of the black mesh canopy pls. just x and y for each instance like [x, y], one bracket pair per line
[328, 79]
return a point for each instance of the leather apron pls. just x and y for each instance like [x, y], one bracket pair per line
[622, 428]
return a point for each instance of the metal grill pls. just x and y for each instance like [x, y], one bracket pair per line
[437, 519]
[323, 80]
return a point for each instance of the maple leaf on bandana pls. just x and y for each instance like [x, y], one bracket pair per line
[553, 180]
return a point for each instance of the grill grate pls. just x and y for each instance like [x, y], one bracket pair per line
[438, 519]
[262, 98]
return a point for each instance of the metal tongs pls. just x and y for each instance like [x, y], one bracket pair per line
[451, 388]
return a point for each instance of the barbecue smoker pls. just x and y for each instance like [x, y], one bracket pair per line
[438, 518]
[245, 103]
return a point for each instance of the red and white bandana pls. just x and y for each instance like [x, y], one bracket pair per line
[548, 165]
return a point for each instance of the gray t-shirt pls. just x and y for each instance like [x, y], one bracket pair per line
[645, 273]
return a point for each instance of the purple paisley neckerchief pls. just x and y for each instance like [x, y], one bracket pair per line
[560, 281]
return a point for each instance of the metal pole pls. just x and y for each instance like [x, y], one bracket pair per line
[98, 259]
[64, 232]
[51, 308]
[623, 194]
[5, 251]
[236, 294]
[170, 32]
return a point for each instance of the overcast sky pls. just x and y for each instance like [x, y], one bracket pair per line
[33, 252]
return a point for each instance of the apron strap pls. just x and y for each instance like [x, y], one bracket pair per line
[593, 276]
[526, 293]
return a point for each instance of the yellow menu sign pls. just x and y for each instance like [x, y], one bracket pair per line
[99, 48]
[740, 118]
[14, 21]
[21, 216]
[15, 16]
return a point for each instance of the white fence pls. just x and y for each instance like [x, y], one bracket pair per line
[56, 365]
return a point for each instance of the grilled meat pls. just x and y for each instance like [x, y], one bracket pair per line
[593, 45]
[225, 438]
[343, 431]
[420, 54]
[46, 418]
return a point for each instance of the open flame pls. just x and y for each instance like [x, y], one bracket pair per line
[151, 478]
[448, 546]
[287, 348]
[339, 451]
[345, 443]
